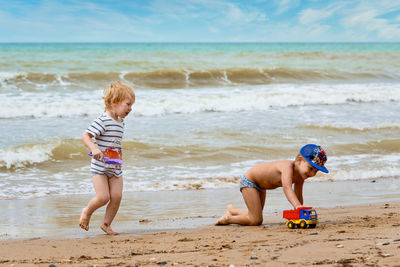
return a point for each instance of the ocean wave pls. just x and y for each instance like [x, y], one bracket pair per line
[29, 155]
[58, 167]
[362, 163]
[13, 158]
[187, 101]
[65, 178]
[25, 155]
[187, 78]
[351, 128]
[375, 147]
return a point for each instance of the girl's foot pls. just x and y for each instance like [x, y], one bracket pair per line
[84, 220]
[107, 229]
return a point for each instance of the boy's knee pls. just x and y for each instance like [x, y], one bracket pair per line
[256, 221]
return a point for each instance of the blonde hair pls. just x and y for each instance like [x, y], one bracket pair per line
[116, 93]
[299, 157]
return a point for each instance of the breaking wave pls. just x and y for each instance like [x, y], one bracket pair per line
[186, 78]
[187, 101]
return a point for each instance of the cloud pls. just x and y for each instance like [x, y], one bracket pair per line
[285, 5]
[369, 17]
[310, 16]
[52, 21]
[233, 14]
[199, 20]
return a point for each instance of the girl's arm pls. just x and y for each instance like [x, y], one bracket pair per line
[88, 142]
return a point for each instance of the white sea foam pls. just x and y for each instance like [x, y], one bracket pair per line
[162, 102]
[8, 75]
[360, 126]
[50, 104]
[362, 166]
[17, 157]
[38, 182]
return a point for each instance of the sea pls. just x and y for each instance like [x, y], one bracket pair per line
[204, 114]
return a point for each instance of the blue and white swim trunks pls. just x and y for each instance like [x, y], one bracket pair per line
[244, 182]
[99, 167]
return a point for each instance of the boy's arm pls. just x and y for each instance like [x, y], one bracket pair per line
[298, 190]
[291, 195]
[87, 140]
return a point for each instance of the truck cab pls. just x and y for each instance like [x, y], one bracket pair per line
[308, 215]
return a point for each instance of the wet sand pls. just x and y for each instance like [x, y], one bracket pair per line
[57, 216]
[363, 235]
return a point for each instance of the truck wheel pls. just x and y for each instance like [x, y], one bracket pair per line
[312, 225]
[303, 225]
[290, 225]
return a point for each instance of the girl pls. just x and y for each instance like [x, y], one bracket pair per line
[107, 131]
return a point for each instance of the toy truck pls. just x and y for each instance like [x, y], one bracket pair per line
[301, 218]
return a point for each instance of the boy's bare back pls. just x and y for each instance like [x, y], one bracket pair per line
[269, 175]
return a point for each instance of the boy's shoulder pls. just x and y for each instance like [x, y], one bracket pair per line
[283, 166]
[277, 165]
[282, 163]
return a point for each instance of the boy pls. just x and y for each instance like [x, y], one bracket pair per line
[270, 175]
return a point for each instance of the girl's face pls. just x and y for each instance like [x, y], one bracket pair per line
[123, 108]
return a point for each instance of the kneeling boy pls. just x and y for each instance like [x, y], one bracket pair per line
[270, 175]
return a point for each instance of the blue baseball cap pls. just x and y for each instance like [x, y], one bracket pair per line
[315, 155]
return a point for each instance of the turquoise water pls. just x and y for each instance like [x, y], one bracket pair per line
[64, 58]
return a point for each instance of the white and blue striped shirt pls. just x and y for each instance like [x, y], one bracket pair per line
[108, 137]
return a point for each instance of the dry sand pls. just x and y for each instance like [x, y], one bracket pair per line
[346, 236]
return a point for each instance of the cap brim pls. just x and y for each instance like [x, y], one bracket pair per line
[321, 168]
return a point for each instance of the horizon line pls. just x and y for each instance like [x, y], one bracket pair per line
[201, 42]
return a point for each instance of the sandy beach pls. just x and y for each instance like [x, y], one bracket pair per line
[364, 235]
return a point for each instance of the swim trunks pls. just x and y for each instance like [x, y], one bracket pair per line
[109, 170]
[244, 182]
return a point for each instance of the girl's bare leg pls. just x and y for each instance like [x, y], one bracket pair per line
[253, 216]
[115, 185]
[100, 184]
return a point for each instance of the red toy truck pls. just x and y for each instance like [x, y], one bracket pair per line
[301, 218]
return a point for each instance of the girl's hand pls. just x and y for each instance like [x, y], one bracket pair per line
[97, 154]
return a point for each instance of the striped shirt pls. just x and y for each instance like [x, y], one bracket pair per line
[108, 138]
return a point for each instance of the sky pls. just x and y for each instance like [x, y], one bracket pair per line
[200, 21]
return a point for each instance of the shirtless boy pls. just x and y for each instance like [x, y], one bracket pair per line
[271, 175]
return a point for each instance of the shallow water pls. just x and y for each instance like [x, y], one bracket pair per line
[152, 211]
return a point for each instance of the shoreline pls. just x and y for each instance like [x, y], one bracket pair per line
[346, 235]
[143, 212]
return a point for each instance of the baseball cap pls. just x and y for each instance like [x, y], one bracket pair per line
[315, 155]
